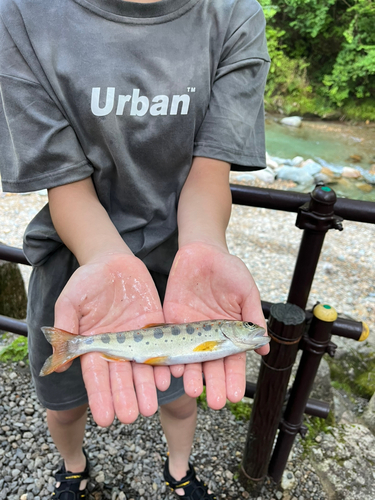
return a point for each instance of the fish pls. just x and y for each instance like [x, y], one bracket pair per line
[158, 344]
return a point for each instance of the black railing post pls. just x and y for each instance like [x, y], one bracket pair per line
[316, 217]
[285, 326]
[314, 345]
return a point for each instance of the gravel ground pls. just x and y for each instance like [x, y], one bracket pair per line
[130, 467]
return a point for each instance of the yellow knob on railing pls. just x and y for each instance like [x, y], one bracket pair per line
[365, 332]
[324, 312]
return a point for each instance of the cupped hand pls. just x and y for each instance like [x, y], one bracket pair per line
[113, 293]
[206, 282]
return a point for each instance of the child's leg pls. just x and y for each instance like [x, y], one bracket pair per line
[178, 420]
[67, 429]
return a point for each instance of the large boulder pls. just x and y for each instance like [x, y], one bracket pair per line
[13, 299]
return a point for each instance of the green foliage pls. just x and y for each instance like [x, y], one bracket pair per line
[315, 426]
[241, 410]
[16, 351]
[355, 374]
[323, 56]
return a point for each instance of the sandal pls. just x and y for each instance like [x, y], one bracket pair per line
[193, 488]
[70, 481]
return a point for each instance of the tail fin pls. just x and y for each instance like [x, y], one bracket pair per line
[62, 352]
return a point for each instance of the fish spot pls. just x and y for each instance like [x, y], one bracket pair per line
[165, 340]
[216, 330]
[147, 343]
[138, 337]
[105, 338]
[89, 340]
[207, 328]
[120, 337]
[158, 333]
[175, 330]
[199, 334]
[189, 329]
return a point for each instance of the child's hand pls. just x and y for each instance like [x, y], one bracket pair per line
[114, 293]
[208, 283]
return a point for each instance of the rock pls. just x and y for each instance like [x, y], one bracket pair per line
[292, 121]
[372, 169]
[350, 173]
[327, 171]
[13, 299]
[366, 188]
[346, 465]
[100, 477]
[266, 175]
[270, 162]
[311, 167]
[296, 161]
[295, 174]
[356, 158]
[288, 481]
[244, 177]
[369, 415]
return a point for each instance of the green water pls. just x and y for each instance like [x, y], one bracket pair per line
[333, 142]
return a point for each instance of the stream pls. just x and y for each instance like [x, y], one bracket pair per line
[330, 143]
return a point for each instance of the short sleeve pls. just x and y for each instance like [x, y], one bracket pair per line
[38, 147]
[233, 128]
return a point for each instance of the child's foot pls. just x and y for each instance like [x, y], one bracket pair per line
[70, 483]
[189, 487]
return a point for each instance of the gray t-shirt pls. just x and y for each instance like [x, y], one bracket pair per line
[128, 93]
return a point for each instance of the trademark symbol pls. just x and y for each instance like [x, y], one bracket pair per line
[191, 89]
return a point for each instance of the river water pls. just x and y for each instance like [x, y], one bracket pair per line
[333, 142]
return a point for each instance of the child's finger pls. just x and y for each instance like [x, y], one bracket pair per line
[144, 383]
[193, 380]
[162, 375]
[235, 376]
[214, 376]
[96, 377]
[123, 393]
[177, 370]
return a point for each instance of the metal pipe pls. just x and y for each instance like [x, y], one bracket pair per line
[13, 325]
[285, 326]
[13, 254]
[314, 345]
[290, 201]
[314, 407]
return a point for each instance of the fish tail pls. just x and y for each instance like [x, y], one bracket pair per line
[60, 341]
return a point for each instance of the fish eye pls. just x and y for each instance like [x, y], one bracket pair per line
[248, 324]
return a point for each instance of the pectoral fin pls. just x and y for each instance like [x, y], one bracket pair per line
[108, 357]
[210, 345]
[158, 360]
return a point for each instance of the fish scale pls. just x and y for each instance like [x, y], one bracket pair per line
[164, 344]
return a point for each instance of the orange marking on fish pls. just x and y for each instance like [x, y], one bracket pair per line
[157, 360]
[152, 325]
[108, 357]
[210, 345]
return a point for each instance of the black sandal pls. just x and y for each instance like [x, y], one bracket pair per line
[193, 488]
[70, 482]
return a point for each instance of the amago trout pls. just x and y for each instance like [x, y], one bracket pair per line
[165, 344]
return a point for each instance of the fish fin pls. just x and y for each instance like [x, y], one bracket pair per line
[210, 345]
[157, 360]
[108, 357]
[152, 325]
[59, 339]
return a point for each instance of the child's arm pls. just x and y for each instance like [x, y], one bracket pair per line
[206, 281]
[111, 291]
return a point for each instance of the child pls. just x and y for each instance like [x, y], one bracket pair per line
[131, 115]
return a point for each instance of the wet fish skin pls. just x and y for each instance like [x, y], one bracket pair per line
[165, 344]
